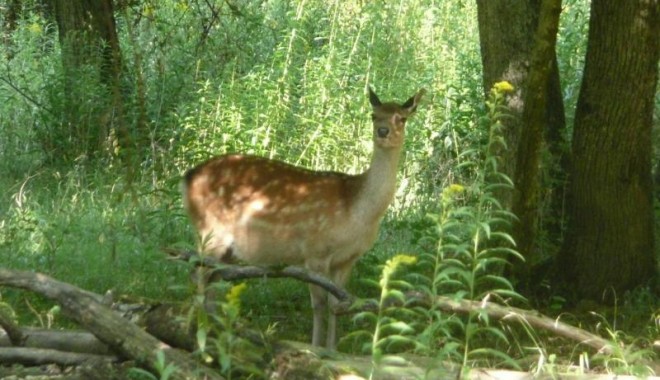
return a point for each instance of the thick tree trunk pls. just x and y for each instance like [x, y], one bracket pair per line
[609, 242]
[77, 341]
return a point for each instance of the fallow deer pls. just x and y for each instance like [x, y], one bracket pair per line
[264, 212]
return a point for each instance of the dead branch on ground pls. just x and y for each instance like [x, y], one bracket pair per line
[123, 337]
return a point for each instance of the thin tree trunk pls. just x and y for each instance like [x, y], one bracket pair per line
[527, 177]
[506, 32]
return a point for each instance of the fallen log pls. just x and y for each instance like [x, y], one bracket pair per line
[122, 336]
[132, 342]
[61, 340]
[40, 356]
[532, 318]
[506, 314]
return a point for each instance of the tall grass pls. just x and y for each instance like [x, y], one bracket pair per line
[281, 79]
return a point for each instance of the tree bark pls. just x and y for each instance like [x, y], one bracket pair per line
[506, 33]
[61, 340]
[42, 356]
[87, 28]
[609, 243]
[88, 38]
[527, 174]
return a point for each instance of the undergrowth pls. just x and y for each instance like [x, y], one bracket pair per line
[283, 80]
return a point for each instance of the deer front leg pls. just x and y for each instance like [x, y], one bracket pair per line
[206, 284]
[320, 309]
[331, 339]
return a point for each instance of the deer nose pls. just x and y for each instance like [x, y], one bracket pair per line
[383, 132]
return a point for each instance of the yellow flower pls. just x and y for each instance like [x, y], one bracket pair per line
[453, 189]
[392, 264]
[148, 11]
[405, 259]
[234, 294]
[503, 87]
[181, 6]
[35, 28]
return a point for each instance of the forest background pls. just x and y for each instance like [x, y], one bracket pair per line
[105, 105]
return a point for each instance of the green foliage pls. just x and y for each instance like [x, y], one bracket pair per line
[391, 330]
[284, 80]
[88, 236]
[218, 334]
[472, 248]
[572, 47]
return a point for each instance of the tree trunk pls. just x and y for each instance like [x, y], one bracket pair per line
[527, 174]
[88, 38]
[609, 242]
[11, 13]
[506, 32]
[87, 28]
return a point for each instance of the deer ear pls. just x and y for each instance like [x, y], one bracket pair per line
[373, 98]
[411, 104]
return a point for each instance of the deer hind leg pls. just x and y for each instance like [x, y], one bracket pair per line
[339, 277]
[208, 288]
[320, 310]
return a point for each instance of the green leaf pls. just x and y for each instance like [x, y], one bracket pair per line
[365, 315]
[396, 294]
[510, 294]
[486, 228]
[398, 327]
[489, 352]
[201, 339]
[142, 372]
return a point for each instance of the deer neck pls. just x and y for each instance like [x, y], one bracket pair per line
[378, 183]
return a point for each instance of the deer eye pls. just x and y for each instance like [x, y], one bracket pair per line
[397, 118]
